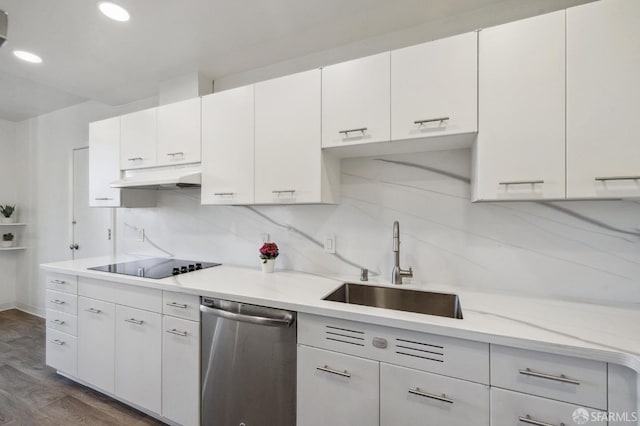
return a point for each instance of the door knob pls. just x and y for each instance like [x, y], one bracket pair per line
[74, 247]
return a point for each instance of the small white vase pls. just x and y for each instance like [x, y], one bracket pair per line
[7, 219]
[7, 244]
[268, 266]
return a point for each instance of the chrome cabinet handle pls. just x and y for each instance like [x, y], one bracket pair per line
[134, 321]
[431, 120]
[606, 178]
[442, 397]
[57, 322]
[177, 305]
[285, 321]
[93, 310]
[173, 154]
[58, 302]
[561, 378]
[58, 282]
[521, 182]
[326, 369]
[103, 199]
[279, 192]
[135, 159]
[177, 332]
[346, 132]
[529, 420]
[222, 194]
[57, 342]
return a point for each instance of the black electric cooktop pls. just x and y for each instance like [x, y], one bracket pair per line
[156, 267]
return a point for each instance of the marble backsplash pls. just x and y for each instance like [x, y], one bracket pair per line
[583, 250]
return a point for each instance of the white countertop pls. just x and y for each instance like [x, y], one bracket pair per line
[604, 333]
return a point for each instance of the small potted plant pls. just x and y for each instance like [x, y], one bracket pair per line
[7, 211]
[268, 254]
[7, 240]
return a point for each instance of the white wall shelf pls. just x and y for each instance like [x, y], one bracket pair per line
[11, 248]
[12, 224]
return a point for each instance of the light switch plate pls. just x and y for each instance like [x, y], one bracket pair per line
[265, 237]
[330, 243]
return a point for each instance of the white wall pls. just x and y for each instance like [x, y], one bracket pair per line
[7, 196]
[44, 154]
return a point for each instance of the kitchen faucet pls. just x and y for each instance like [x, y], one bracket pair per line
[398, 273]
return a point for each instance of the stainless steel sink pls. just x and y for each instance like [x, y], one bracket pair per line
[422, 302]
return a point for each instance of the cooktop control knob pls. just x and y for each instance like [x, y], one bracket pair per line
[183, 269]
[175, 271]
[192, 268]
[198, 265]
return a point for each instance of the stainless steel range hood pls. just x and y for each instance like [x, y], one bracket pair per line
[160, 178]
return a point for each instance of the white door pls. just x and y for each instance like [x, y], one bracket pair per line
[90, 228]
[521, 142]
[603, 99]
[179, 133]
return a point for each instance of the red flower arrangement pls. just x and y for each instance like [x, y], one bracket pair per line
[268, 251]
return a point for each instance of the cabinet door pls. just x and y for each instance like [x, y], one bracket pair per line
[179, 133]
[603, 99]
[336, 389]
[181, 371]
[96, 342]
[138, 139]
[407, 397]
[227, 147]
[521, 142]
[287, 141]
[434, 88]
[356, 96]
[104, 162]
[138, 357]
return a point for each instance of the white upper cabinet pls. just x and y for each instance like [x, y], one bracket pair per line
[289, 164]
[104, 160]
[520, 152]
[434, 88]
[355, 101]
[179, 133]
[603, 99]
[227, 147]
[138, 136]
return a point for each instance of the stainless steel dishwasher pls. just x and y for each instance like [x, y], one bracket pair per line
[248, 365]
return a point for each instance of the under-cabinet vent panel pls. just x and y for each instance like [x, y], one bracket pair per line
[344, 335]
[426, 351]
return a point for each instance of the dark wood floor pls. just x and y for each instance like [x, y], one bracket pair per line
[33, 394]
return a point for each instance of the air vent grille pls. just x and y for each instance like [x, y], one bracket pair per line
[426, 351]
[344, 335]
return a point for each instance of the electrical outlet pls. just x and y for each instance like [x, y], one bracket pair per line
[265, 237]
[330, 243]
[141, 235]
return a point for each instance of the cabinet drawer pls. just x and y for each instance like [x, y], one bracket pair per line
[336, 389]
[181, 305]
[61, 321]
[62, 302]
[148, 299]
[62, 282]
[512, 408]
[459, 358]
[408, 396]
[568, 379]
[61, 351]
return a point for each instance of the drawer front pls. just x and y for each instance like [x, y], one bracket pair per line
[61, 351]
[148, 299]
[568, 379]
[408, 396]
[62, 282]
[513, 408]
[181, 305]
[423, 351]
[61, 321]
[62, 302]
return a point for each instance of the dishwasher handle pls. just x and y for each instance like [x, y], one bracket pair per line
[285, 321]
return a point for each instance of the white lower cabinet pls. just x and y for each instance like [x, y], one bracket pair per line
[96, 343]
[336, 389]
[138, 356]
[512, 408]
[181, 371]
[408, 397]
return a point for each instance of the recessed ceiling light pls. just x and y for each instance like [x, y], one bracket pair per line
[114, 11]
[27, 56]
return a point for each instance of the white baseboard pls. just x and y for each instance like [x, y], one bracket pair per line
[39, 312]
[7, 306]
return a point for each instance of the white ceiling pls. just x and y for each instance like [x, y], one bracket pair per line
[87, 56]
